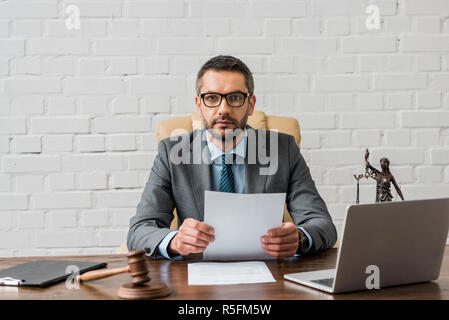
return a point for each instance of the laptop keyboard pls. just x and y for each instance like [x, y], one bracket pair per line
[326, 282]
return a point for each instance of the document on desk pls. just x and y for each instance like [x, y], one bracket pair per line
[216, 273]
[239, 221]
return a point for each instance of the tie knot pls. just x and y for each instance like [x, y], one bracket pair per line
[227, 158]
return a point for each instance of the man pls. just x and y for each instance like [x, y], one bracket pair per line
[225, 98]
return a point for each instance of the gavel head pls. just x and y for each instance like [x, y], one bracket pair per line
[138, 267]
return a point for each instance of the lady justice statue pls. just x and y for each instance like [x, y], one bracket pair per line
[383, 179]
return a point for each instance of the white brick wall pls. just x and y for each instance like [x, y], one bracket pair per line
[79, 108]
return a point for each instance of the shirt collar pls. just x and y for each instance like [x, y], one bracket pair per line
[215, 152]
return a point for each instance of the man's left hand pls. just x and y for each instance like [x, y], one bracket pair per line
[281, 242]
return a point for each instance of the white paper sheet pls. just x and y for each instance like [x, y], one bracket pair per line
[216, 273]
[239, 221]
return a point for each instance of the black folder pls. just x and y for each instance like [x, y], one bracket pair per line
[42, 273]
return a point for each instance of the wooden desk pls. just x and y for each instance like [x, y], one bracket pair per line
[174, 274]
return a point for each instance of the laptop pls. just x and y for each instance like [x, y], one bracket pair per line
[385, 244]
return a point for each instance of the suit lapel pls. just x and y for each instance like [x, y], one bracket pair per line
[200, 174]
[254, 181]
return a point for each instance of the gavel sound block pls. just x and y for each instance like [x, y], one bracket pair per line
[138, 288]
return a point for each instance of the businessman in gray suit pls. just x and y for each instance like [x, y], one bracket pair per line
[228, 155]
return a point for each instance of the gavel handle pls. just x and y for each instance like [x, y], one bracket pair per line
[100, 274]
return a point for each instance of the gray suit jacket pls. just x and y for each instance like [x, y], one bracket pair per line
[182, 186]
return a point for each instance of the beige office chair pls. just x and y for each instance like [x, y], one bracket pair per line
[258, 120]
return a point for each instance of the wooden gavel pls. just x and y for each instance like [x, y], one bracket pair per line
[137, 267]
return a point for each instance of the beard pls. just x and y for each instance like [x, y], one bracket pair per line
[227, 134]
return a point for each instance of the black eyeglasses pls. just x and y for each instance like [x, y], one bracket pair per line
[234, 99]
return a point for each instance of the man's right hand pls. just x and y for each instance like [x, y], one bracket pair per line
[193, 237]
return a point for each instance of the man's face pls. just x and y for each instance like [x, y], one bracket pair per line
[224, 118]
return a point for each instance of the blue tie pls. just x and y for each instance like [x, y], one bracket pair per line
[227, 178]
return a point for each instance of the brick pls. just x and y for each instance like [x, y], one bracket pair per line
[364, 138]
[29, 183]
[94, 66]
[399, 101]
[114, 47]
[440, 81]
[337, 139]
[368, 44]
[12, 125]
[61, 181]
[91, 143]
[341, 83]
[11, 48]
[246, 27]
[400, 62]
[291, 9]
[186, 27]
[429, 174]
[86, 163]
[310, 140]
[121, 66]
[31, 163]
[340, 102]
[30, 220]
[117, 199]
[307, 27]
[5, 183]
[185, 45]
[157, 85]
[93, 106]
[10, 201]
[425, 138]
[60, 106]
[61, 200]
[281, 64]
[52, 143]
[23, 85]
[121, 125]
[311, 102]
[112, 237]
[125, 105]
[94, 218]
[397, 24]
[27, 65]
[27, 106]
[216, 27]
[439, 156]
[278, 27]
[428, 191]
[6, 221]
[4, 144]
[340, 64]
[125, 180]
[27, 28]
[93, 86]
[373, 63]
[147, 142]
[340, 8]
[61, 218]
[340, 176]
[61, 239]
[154, 9]
[316, 120]
[28, 144]
[425, 43]
[124, 28]
[400, 81]
[227, 9]
[58, 46]
[245, 45]
[428, 99]
[367, 120]
[156, 65]
[92, 181]
[308, 46]
[429, 7]
[122, 142]
[284, 83]
[121, 217]
[59, 125]
[88, 28]
[156, 27]
[397, 138]
[58, 66]
[427, 24]
[4, 28]
[370, 101]
[428, 62]
[397, 156]
[28, 9]
[4, 66]
[337, 27]
[335, 157]
[424, 119]
[15, 240]
[156, 104]
[140, 161]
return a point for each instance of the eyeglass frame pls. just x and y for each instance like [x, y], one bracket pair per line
[225, 95]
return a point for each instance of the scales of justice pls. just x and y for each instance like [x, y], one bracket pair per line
[383, 178]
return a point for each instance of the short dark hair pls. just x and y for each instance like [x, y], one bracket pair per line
[226, 63]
